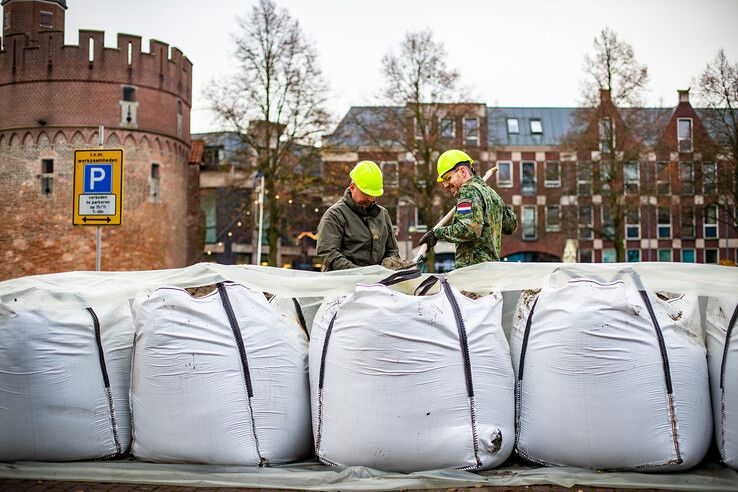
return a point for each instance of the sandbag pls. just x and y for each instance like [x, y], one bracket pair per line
[722, 357]
[609, 376]
[300, 310]
[64, 375]
[405, 383]
[220, 379]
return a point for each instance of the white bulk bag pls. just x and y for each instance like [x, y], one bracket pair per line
[300, 310]
[220, 379]
[609, 376]
[64, 374]
[722, 356]
[399, 384]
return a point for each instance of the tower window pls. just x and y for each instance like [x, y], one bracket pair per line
[46, 19]
[129, 93]
[154, 183]
[47, 177]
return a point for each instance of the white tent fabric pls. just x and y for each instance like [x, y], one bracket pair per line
[219, 379]
[722, 356]
[400, 383]
[599, 386]
[64, 376]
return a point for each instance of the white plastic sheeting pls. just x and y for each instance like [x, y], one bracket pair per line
[64, 376]
[219, 379]
[399, 384]
[599, 386]
[722, 356]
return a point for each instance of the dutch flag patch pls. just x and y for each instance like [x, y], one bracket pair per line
[463, 208]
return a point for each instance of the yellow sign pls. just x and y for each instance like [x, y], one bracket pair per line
[98, 187]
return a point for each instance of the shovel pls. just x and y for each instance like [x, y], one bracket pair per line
[447, 218]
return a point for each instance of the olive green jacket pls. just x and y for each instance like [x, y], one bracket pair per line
[480, 220]
[351, 236]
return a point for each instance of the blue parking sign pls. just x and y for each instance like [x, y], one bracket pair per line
[98, 178]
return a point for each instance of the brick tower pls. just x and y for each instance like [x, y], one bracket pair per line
[52, 99]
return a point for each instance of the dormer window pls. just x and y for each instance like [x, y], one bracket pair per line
[684, 134]
[46, 19]
[536, 128]
[512, 126]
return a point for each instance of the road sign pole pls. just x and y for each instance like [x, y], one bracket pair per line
[98, 234]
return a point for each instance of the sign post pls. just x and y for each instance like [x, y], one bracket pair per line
[98, 190]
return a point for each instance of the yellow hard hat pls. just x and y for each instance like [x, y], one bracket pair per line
[368, 178]
[449, 159]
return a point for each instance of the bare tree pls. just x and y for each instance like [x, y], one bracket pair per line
[613, 80]
[275, 102]
[612, 66]
[717, 91]
[418, 94]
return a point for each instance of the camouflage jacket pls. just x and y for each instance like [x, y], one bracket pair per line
[477, 227]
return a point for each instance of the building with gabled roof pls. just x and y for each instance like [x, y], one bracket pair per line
[556, 188]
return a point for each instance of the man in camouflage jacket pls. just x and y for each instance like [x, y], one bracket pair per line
[480, 220]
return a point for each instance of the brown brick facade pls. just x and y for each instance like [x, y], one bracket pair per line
[52, 100]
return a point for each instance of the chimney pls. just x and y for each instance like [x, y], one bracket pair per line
[683, 95]
[605, 96]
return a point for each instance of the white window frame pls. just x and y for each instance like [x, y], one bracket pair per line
[536, 131]
[640, 255]
[587, 250]
[705, 225]
[694, 255]
[636, 182]
[713, 178]
[394, 180]
[418, 128]
[687, 139]
[610, 227]
[637, 227]
[583, 165]
[453, 127]
[614, 255]
[517, 126]
[659, 225]
[535, 178]
[468, 138]
[588, 226]
[553, 227]
[552, 183]
[717, 255]
[682, 221]
[603, 136]
[506, 183]
[535, 222]
[671, 254]
[605, 168]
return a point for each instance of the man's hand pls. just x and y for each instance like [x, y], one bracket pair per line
[429, 239]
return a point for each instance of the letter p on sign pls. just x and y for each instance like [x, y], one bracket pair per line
[98, 178]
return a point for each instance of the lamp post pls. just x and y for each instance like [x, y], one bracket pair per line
[260, 177]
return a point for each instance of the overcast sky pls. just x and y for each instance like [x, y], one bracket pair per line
[510, 53]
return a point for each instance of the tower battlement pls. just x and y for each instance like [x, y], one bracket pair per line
[161, 68]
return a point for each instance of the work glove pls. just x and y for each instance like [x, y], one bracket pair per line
[429, 239]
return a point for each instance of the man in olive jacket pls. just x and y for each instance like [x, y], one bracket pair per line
[355, 231]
